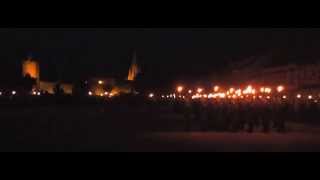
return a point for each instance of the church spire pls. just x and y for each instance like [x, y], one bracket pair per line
[134, 69]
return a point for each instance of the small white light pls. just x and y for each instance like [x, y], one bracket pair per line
[151, 95]
[106, 93]
[39, 94]
[90, 93]
[14, 92]
[309, 97]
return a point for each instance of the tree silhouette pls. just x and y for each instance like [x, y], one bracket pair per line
[28, 83]
[58, 90]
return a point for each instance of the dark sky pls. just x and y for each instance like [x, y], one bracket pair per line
[165, 54]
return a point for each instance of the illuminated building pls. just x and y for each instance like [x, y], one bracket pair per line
[31, 67]
[134, 69]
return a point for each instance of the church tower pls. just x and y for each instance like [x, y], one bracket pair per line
[32, 68]
[134, 69]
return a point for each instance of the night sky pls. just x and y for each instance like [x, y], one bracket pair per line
[166, 55]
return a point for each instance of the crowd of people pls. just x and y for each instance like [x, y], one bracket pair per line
[245, 115]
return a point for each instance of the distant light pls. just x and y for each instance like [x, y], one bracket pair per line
[106, 93]
[299, 96]
[216, 88]
[151, 95]
[267, 90]
[39, 93]
[183, 97]
[0, 93]
[111, 94]
[205, 96]
[268, 97]
[180, 89]
[100, 82]
[280, 88]
[14, 92]
[309, 97]
[162, 96]
[199, 90]
[168, 96]
[262, 90]
[90, 93]
[260, 97]
[34, 93]
[315, 101]
[284, 97]
[231, 90]
[101, 94]
[190, 91]
[234, 96]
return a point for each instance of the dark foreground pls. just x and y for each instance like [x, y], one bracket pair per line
[123, 128]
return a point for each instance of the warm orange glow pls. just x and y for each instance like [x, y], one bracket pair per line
[222, 95]
[216, 88]
[31, 67]
[199, 90]
[231, 90]
[262, 90]
[309, 97]
[267, 90]
[284, 97]
[100, 82]
[268, 97]
[280, 88]
[248, 90]
[106, 93]
[190, 91]
[299, 96]
[180, 89]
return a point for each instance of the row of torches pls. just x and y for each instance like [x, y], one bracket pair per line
[232, 93]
